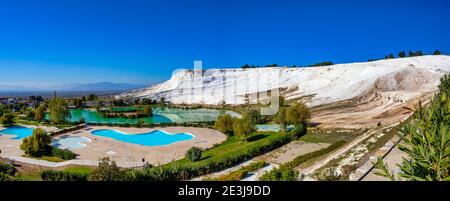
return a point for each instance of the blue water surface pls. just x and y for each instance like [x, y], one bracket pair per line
[19, 131]
[153, 138]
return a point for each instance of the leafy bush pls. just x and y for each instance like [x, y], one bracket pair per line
[241, 172]
[64, 154]
[282, 173]
[8, 119]
[224, 124]
[38, 144]
[6, 177]
[53, 175]
[194, 154]
[107, 171]
[8, 169]
[242, 128]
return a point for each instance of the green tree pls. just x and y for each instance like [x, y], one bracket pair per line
[8, 119]
[391, 56]
[82, 120]
[92, 97]
[281, 118]
[37, 144]
[254, 116]
[437, 52]
[107, 171]
[224, 124]
[242, 128]
[140, 123]
[402, 54]
[58, 111]
[282, 101]
[77, 102]
[30, 115]
[39, 113]
[297, 114]
[148, 110]
[194, 154]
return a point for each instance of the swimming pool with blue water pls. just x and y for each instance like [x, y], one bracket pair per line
[153, 138]
[19, 132]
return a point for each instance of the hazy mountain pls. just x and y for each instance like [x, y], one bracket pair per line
[16, 88]
[99, 87]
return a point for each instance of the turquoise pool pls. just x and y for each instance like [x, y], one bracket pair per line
[153, 138]
[19, 131]
[272, 127]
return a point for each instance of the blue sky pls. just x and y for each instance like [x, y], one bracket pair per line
[51, 42]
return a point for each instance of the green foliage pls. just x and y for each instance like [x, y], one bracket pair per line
[254, 116]
[242, 128]
[54, 175]
[8, 169]
[194, 154]
[444, 86]
[8, 119]
[6, 177]
[58, 110]
[281, 118]
[241, 172]
[326, 63]
[384, 170]
[30, 115]
[64, 154]
[437, 52]
[148, 111]
[281, 174]
[38, 144]
[224, 124]
[92, 97]
[39, 113]
[107, 171]
[297, 114]
[402, 54]
[78, 103]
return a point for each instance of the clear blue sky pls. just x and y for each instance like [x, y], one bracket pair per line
[56, 42]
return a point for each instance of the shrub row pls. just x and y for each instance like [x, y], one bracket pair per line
[241, 172]
[122, 115]
[54, 175]
[206, 124]
[286, 171]
[69, 129]
[64, 154]
[8, 169]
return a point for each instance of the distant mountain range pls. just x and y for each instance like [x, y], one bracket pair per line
[89, 87]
